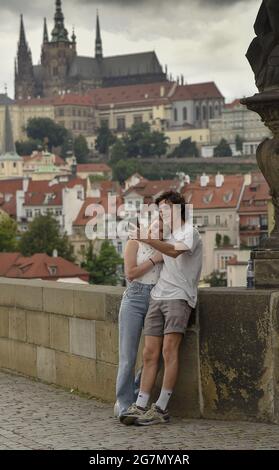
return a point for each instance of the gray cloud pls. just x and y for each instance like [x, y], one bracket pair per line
[203, 39]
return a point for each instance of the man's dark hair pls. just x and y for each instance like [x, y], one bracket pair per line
[175, 198]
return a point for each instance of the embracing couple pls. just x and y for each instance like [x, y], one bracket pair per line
[163, 277]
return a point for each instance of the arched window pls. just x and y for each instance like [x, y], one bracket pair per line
[204, 113]
[197, 113]
[175, 114]
[185, 114]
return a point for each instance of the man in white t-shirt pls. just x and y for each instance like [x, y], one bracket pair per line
[172, 300]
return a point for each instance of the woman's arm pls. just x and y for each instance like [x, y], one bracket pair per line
[132, 270]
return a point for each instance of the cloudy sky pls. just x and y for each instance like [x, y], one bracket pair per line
[202, 39]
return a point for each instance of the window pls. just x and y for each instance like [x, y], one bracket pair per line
[74, 111]
[218, 220]
[137, 119]
[175, 115]
[197, 113]
[104, 123]
[29, 213]
[224, 261]
[61, 112]
[206, 220]
[121, 124]
[119, 248]
[14, 165]
[211, 115]
[204, 113]
[52, 270]
[185, 114]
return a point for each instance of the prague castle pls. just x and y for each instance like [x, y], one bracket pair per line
[63, 70]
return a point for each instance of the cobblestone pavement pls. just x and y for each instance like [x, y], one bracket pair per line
[38, 416]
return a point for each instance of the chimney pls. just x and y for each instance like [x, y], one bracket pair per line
[55, 254]
[204, 180]
[219, 180]
[162, 91]
[25, 184]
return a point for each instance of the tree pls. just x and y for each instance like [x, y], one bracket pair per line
[226, 240]
[43, 236]
[8, 234]
[125, 168]
[140, 141]
[216, 279]
[118, 151]
[46, 130]
[26, 147]
[81, 149]
[105, 139]
[223, 149]
[186, 148]
[104, 267]
[239, 143]
[218, 240]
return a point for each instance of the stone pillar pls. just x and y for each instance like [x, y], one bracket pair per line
[263, 55]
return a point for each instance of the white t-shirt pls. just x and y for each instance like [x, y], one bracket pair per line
[179, 277]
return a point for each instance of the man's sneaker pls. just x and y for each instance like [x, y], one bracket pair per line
[130, 416]
[153, 416]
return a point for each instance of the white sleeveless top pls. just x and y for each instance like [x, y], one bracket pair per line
[144, 253]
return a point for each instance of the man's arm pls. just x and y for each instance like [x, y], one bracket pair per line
[167, 248]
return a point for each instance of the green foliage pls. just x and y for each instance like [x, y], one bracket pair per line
[216, 279]
[104, 267]
[239, 143]
[105, 139]
[141, 141]
[43, 236]
[186, 148]
[223, 149]
[26, 147]
[118, 151]
[218, 239]
[125, 168]
[8, 234]
[226, 240]
[81, 149]
[47, 131]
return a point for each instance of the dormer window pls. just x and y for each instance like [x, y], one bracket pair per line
[228, 197]
[52, 270]
[207, 198]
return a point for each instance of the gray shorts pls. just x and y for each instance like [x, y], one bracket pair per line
[167, 316]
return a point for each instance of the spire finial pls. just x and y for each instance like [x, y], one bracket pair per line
[98, 42]
[45, 38]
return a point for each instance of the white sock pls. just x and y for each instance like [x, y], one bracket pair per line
[163, 399]
[142, 399]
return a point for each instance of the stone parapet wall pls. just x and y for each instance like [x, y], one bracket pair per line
[67, 335]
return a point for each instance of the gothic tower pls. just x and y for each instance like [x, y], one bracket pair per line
[24, 75]
[98, 41]
[57, 55]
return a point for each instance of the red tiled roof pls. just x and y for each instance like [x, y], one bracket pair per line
[14, 265]
[38, 190]
[211, 197]
[150, 189]
[35, 102]
[9, 187]
[196, 91]
[82, 219]
[73, 99]
[256, 193]
[233, 104]
[94, 168]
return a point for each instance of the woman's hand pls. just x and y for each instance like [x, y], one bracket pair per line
[157, 257]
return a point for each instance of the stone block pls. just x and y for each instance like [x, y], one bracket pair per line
[46, 368]
[112, 307]
[236, 354]
[75, 372]
[23, 358]
[59, 333]
[59, 300]
[29, 296]
[89, 304]
[38, 328]
[4, 322]
[105, 381]
[17, 324]
[83, 337]
[4, 353]
[107, 342]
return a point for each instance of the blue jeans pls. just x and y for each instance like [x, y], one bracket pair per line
[132, 313]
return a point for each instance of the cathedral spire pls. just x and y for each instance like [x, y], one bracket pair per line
[22, 36]
[98, 42]
[45, 38]
[59, 32]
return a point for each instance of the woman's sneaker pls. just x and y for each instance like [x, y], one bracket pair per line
[131, 415]
[153, 416]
